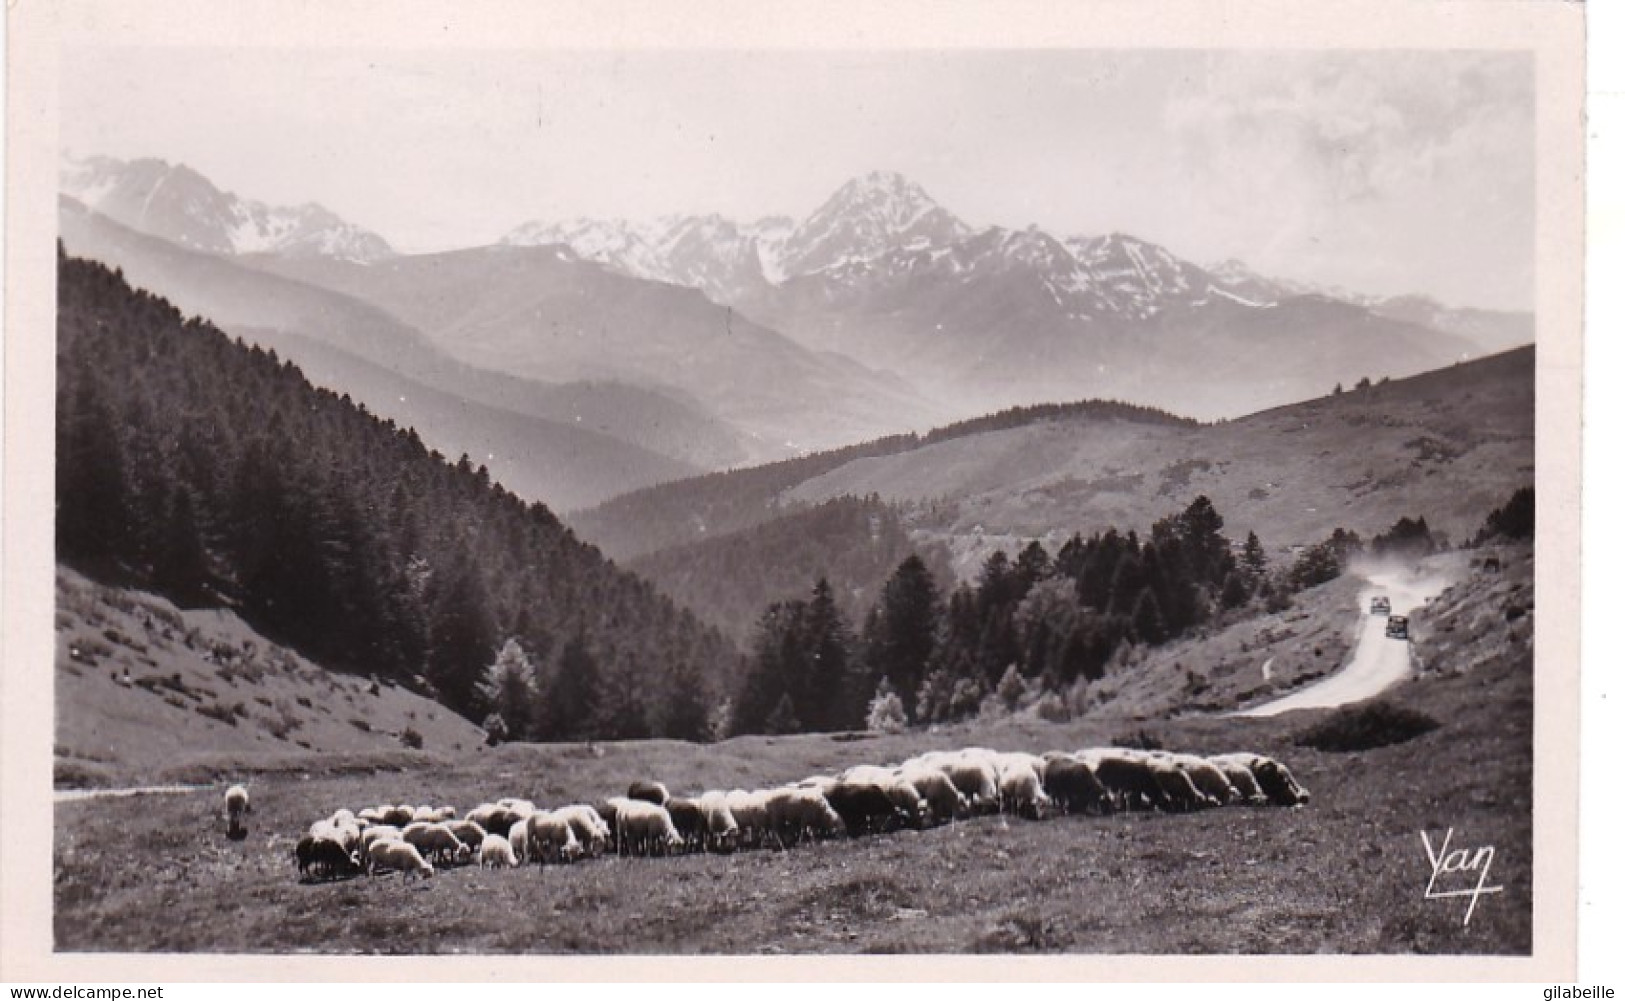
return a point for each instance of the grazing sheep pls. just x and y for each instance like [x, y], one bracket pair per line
[468, 832]
[689, 819]
[749, 811]
[721, 827]
[975, 780]
[1241, 777]
[396, 816]
[649, 792]
[864, 808]
[399, 856]
[1127, 776]
[497, 853]
[794, 813]
[1181, 792]
[590, 829]
[548, 838]
[1072, 784]
[945, 802]
[646, 829]
[1274, 778]
[436, 841]
[607, 810]
[1208, 778]
[519, 839]
[1020, 791]
[325, 857]
[237, 807]
[424, 815]
[378, 832]
[373, 814]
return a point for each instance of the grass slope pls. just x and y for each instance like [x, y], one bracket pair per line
[1449, 445]
[1344, 874]
[207, 695]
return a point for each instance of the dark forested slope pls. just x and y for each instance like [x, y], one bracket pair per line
[216, 474]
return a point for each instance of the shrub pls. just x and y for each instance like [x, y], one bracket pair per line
[1052, 708]
[1142, 740]
[1365, 726]
[411, 738]
[886, 713]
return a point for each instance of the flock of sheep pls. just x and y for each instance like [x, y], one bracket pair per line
[932, 788]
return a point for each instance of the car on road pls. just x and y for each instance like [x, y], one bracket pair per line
[1379, 605]
[1399, 627]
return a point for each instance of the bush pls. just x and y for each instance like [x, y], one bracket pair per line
[1142, 740]
[411, 738]
[886, 713]
[1365, 726]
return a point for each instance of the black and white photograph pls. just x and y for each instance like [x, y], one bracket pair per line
[524, 496]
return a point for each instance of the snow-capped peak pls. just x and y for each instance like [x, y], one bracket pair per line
[175, 202]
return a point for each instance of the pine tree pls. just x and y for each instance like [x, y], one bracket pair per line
[902, 636]
[461, 638]
[1253, 560]
[573, 703]
[1148, 624]
[509, 689]
[829, 664]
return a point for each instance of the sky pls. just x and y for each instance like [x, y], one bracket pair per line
[1385, 172]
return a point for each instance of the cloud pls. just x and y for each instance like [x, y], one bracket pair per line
[1376, 167]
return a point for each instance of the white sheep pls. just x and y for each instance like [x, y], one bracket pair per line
[435, 840]
[549, 838]
[519, 839]
[400, 856]
[378, 832]
[468, 832]
[647, 829]
[589, 827]
[721, 827]
[1020, 791]
[497, 853]
[237, 806]
[749, 810]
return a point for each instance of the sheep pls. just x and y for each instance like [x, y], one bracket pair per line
[378, 832]
[975, 780]
[519, 839]
[1020, 791]
[749, 811]
[1274, 778]
[1177, 786]
[497, 853]
[1072, 784]
[590, 829]
[607, 810]
[649, 792]
[500, 817]
[689, 820]
[721, 827]
[1241, 777]
[373, 814]
[647, 829]
[549, 838]
[1128, 777]
[237, 806]
[400, 856]
[793, 813]
[325, 856]
[1208, 778]
[424, 815]
[396, 816]
[436, 840]
[945, 802]
[903, 794]
[864, 808]
[468, 832]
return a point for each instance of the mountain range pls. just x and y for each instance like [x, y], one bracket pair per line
[705, 343]
[983, 318]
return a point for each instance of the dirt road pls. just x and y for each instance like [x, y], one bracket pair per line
[1378, 661]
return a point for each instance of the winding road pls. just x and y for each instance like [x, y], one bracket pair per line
[1378, 661]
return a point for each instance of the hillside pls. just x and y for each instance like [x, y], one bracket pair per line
[565, 444]
[1449, 444]
[216, 475]
[148, 691]
[543, 313]
[656, 518]
[728, 580]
